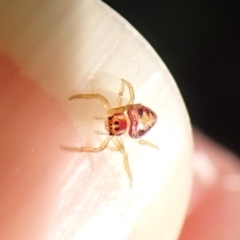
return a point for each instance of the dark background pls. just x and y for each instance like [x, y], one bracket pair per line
[199, 42]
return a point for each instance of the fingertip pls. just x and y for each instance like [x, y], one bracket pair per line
[82, 192]
[214, 209]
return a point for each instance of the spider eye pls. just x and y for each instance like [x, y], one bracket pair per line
[116, 122]
[116, 129]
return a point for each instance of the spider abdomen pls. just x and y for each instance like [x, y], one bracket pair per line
[142, 120]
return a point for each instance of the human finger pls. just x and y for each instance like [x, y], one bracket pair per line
[50, 52]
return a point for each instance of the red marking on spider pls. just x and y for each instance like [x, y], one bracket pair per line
[135, 118]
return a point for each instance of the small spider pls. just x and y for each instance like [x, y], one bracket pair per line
[138, 120]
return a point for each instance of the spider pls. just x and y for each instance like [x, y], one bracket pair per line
[136, 118]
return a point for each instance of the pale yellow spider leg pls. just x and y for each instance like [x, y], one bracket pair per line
[120, 147]
[120, 94]
[99, 118]
[112, 148]
[131, 92]
[120, 140]
[122, 109]
[89, 149]
[144, 142]
[101, 98]
[100, 133]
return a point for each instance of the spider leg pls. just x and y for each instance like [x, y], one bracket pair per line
[120, 147]
[100, 97]
[115, 148]
[122, 109]
[144, 142]
[112, 148]
[120, 94]
[131, 92]
[89, 149]
[100, 133]
[99, 118]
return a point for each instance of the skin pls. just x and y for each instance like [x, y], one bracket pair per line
[49, 52]
[214, 212]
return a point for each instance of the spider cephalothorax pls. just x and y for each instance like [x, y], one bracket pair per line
[134, 118]
[138, 121]
[116, 124]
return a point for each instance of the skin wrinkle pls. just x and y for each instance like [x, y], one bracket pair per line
[104, 58]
